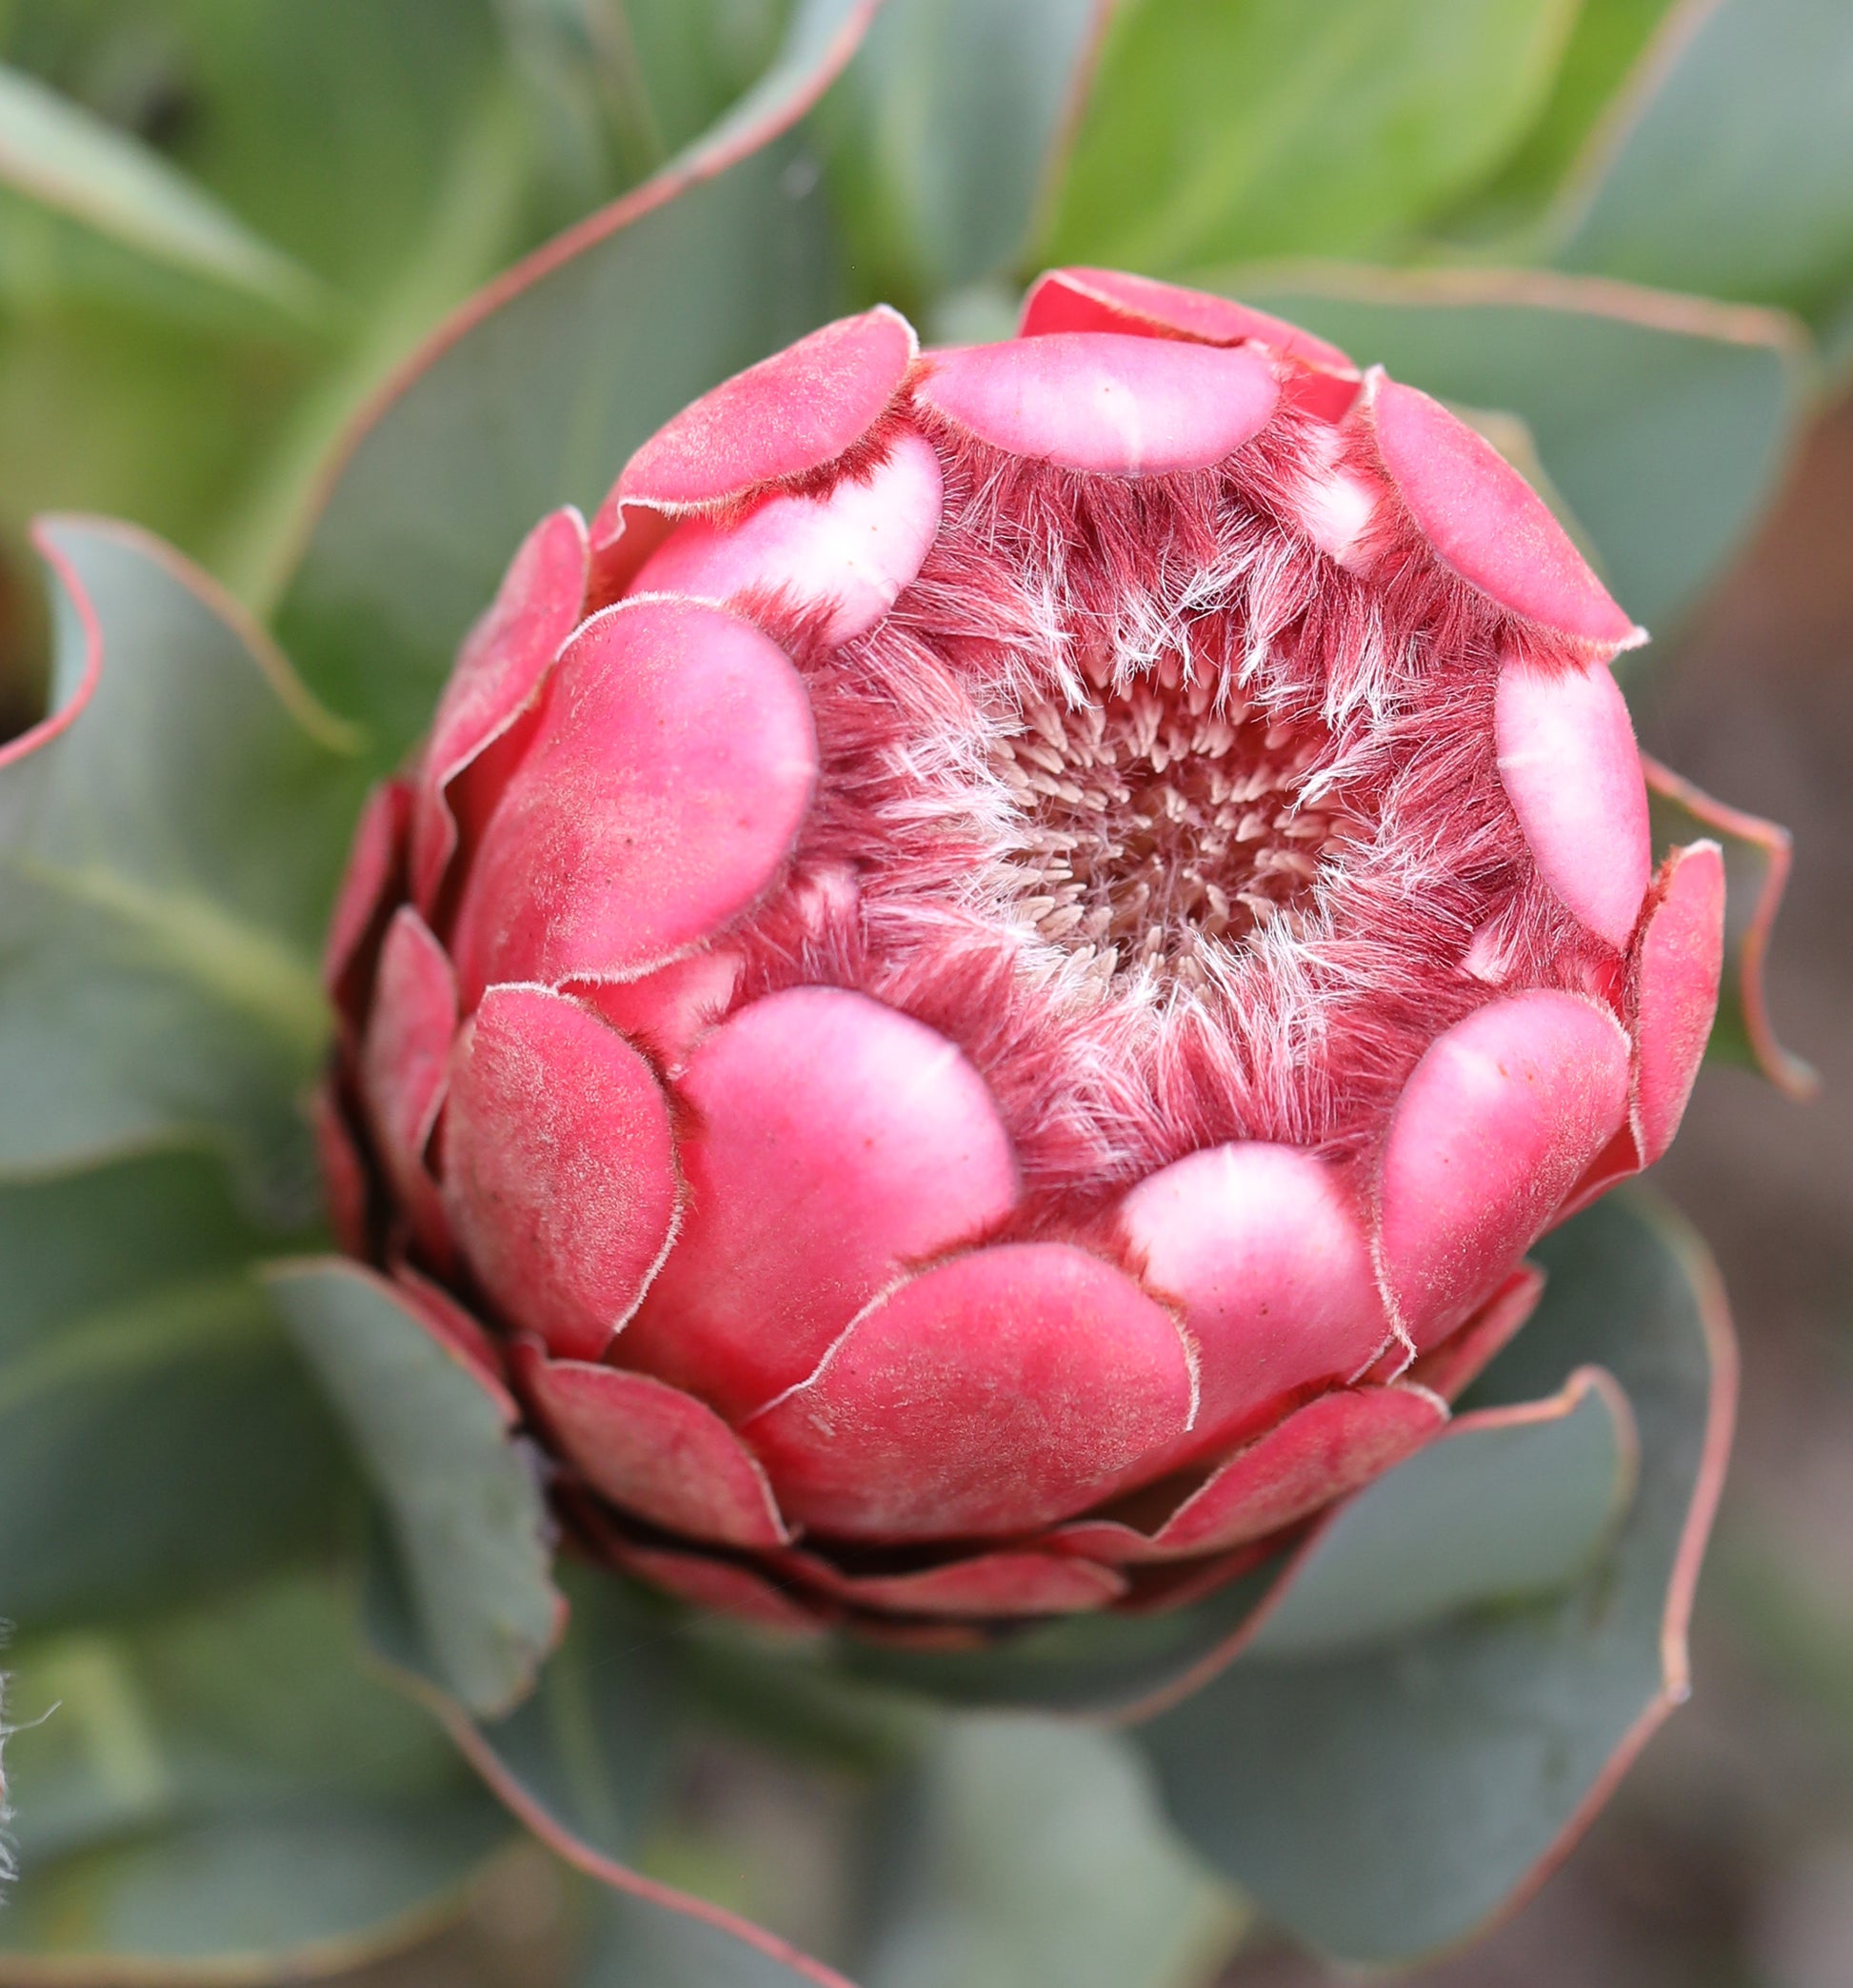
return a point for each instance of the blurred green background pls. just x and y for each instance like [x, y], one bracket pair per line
[1619, 232]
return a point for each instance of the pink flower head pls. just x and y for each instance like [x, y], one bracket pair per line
[986, 983]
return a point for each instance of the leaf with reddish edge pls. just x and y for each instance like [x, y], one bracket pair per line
[1385, 1802]
[534, 392]
[462, 1502]
[169, 842]
[1512, 1502]
[1757, 857]
[1724, 164]
[582, 1763]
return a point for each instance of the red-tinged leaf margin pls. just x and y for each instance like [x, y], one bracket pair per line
[492, 1653]
[1681, 1589]
[535, 1817]
[278, 673]
[1570, 291]
[1548, 1408]
[1773, 843]
[767, 111]
[1712, 1313]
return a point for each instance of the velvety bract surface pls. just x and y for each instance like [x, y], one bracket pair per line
[982, 986]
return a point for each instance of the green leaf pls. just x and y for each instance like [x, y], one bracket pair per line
[1507, 1505]
[107, 407]
[943, 138]
[621, 89]
[535, 393]
[328, 128]
[1604, 45]
[75, 165]
[463, 1502]
[1385, 1802]
[226, 1791]
[169, 842]
[583, 1762]
[588, 1746]
[1728, 170]
[158, 1435]
[1264, 128]
[647, 1940]
[1034, 1851]
[1664, 421]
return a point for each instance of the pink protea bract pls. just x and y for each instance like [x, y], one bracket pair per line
[978, 991]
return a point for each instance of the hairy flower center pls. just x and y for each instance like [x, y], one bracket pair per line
[1156, 823]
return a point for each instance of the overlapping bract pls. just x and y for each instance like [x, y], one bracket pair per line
[980, 988]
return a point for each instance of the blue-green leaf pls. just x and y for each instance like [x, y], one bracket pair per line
[1383, 1802]
[1264, 127]
[226, 1792]
[1507, 1505]
[74, 164]
[1727, 171]
[462, 1500]
[944, 134]
[158, 1435]
[1025, 1851]
[169, 842]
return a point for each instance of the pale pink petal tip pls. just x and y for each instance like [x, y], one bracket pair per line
[995, 1585]
[789, 414]
[1488, 523]
[674, 762]
[1496, 1125]
[1110, 300]
[559, 1166]
[1678, 972]
[1330, 1446]
[502, 660]
[850, 552]
[1104, 401]
[1262, 1248]
[652, 1450]
[1572, 773]
[971, 1403]
[833, 1141]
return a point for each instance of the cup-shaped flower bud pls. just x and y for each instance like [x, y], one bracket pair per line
[982, 986]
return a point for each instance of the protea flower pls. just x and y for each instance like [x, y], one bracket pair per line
[978, 991]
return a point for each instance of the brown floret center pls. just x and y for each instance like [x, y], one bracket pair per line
[1159, 821]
